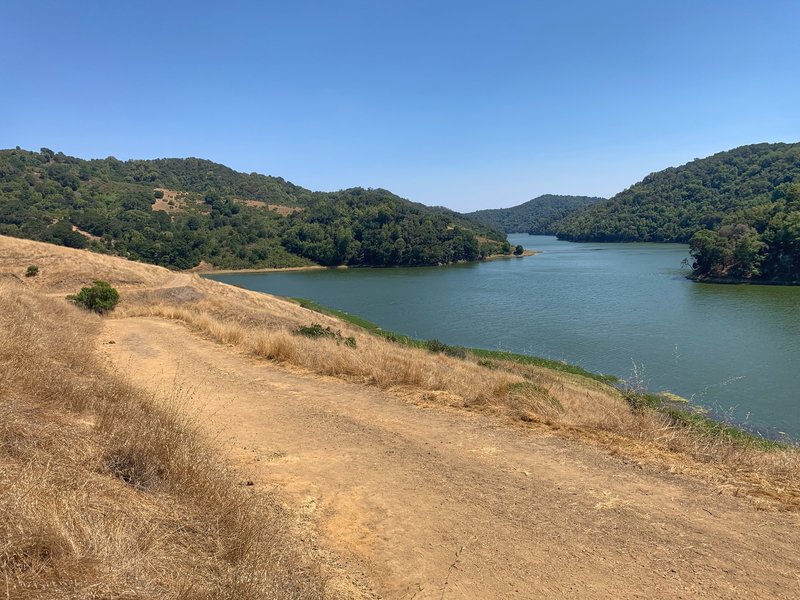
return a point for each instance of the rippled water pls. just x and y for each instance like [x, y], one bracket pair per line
[732, 348]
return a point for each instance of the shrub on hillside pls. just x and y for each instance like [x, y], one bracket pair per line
[32, 271]
[438, 347]
[100, 297]
[315, 330]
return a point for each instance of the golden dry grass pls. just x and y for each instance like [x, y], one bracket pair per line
[571, 405]
[106, 492]
[66, 270]
[373, 361]
[592, 411]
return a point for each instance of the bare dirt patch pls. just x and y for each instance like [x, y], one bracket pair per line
[170, 202]
[85, 234]
[174, 201]
[282, 210]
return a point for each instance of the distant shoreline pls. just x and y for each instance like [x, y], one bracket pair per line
[206, 270]
[524, 254]
[212, 271]
[741, 281]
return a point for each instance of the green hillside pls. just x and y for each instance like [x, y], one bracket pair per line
[739, 210]
[671, 205]
[534, 216]
[179, 212]
[758, 243]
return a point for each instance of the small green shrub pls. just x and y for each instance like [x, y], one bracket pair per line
[32, 271]
[100, 297]
[315, 330]
[158, 194]
[518, 250]
[438, 347]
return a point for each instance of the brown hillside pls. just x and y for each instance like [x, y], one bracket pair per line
[392, 472]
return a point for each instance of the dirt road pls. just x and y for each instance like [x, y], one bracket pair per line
[423, 503]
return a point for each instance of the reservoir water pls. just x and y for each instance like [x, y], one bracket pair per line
[610, 308]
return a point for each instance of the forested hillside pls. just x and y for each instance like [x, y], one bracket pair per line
[179, 212]
[534, 216]
[673, 204]
[760, 242]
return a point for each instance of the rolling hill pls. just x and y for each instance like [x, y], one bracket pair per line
[196, 444]
[181, 212]
[534, 216]
[671, 205]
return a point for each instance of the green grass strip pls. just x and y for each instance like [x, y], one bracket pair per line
[435, 345]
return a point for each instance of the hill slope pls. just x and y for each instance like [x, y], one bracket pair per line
[671, 205]
[386, 465]
[179, 212]
[534, 216]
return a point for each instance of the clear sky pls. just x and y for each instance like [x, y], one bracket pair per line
[459, 103]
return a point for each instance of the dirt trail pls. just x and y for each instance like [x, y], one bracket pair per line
[437, 503]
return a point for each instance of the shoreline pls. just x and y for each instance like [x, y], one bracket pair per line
[205, 270]
[741, 281]
[523, 255]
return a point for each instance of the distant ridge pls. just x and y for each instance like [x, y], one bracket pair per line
[535, 216]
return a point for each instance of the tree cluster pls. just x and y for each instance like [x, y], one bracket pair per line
[373, 227]
[761, 242]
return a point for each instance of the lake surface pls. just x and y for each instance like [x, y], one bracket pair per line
[734, 349]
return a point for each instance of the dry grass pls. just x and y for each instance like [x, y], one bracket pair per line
[590, 410]
[64, 271]
[280, 209]
[107, 493]
[571, 405]
[373, 361]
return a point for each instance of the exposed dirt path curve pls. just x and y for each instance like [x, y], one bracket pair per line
[437, 503]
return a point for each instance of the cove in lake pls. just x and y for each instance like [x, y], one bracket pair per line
[734, 349]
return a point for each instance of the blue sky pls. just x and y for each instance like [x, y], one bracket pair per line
[463, 104]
